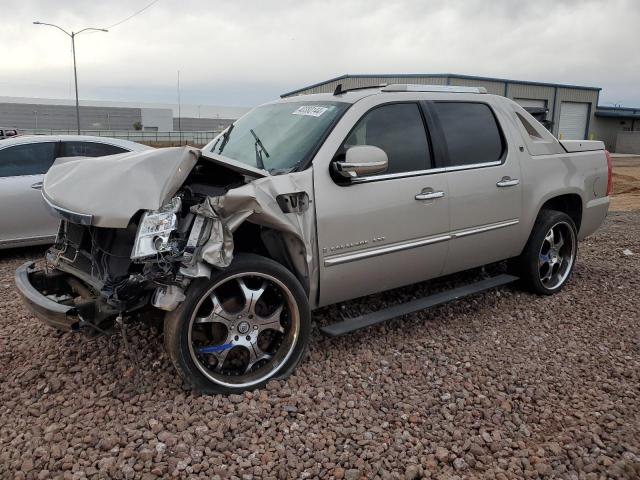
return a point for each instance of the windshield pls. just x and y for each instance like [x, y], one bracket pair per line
[278, 136]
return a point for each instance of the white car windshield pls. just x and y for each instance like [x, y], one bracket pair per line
[278, 136]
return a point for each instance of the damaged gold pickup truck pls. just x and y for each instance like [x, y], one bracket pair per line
[305, 202]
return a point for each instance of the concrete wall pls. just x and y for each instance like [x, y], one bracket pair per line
[202, 124]
[160, 119]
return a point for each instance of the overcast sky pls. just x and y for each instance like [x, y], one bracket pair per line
[244, 52]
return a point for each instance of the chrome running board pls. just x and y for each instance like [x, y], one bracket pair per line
[370, 319]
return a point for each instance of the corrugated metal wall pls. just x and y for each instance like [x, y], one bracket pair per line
[532, 92]
[25, 115]
[356, 82]
[628, 142]
[495, 88]
[552, 95]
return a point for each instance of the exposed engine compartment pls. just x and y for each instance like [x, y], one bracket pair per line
[103, 257]
[177, 215]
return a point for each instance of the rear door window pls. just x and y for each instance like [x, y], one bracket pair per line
[28, 159]
[89, 149]
[471, 132]
[399, 130]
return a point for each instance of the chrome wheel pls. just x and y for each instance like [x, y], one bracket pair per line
[557, 255]
[244, 329]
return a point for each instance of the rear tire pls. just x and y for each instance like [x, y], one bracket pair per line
[547, 261]
[246, 325]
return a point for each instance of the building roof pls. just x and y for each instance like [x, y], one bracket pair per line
[618, 112]
[438, 75]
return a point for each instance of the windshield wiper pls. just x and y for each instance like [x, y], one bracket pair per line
[259, 150]
[225, 138]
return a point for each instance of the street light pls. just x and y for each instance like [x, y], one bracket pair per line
[73, 48]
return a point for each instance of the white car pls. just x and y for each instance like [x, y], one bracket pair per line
[24, 217]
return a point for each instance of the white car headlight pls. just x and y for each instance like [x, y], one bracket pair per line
[154, 230]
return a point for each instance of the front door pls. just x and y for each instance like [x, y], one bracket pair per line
[387, 230]
[485, 185]
[24, 215]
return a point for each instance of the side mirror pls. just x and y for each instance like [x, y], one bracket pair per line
[362, 160]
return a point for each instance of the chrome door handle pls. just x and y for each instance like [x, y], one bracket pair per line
[429, 195]
[508, 182]
[37, 186]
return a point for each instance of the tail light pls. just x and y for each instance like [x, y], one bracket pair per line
[609, 173]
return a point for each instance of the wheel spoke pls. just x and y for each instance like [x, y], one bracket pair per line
[251, 296]
[543, 259]
[218, 351]
[558, 245]
[549, 237]
[218, 313]
[256, 354]
[272, 322]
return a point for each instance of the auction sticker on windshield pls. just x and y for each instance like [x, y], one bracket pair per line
[310, 110]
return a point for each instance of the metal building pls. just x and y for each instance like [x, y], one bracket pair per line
[618, 128]
[63, 117]
[42, 114]
[570, 108]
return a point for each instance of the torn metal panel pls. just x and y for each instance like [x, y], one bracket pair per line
[257, 202]
[113, 188]
[236, 166]
[218, 249]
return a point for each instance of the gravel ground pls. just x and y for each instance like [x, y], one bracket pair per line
[503, 385]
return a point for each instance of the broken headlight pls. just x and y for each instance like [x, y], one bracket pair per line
[154, 230]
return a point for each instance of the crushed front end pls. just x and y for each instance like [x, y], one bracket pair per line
[92, 274]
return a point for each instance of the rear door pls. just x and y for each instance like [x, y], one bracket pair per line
[483, 174]
[24, 215]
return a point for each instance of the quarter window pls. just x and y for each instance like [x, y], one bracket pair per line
[470, 132]
[30, 159]
[89, 149]
[397, 129]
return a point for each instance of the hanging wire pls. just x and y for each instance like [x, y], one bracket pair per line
[132, 15]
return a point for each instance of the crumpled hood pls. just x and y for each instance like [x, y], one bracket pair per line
[113, 188]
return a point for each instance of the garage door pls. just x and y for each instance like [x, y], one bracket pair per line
[573, 120]
[530, 102]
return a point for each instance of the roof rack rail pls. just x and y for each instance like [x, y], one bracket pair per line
[339, 90]
[406, 87]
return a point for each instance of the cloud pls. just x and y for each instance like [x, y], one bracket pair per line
[248, 51]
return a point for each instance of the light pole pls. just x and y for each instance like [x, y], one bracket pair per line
[73, 49]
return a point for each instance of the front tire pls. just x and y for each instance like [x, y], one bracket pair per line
[246, 325]
[549, 256]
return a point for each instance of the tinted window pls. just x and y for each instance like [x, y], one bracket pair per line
[470, 132]
[397, 129]
[30, 159]
[88, 149]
